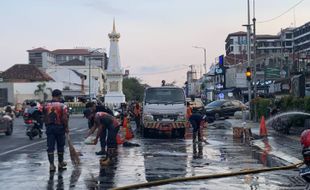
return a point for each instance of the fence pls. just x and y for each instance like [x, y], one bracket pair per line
[76, 107]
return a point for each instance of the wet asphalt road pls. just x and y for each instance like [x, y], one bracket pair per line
[24, 163]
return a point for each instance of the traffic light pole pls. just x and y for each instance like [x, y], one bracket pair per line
[249, 58]
[254, 61]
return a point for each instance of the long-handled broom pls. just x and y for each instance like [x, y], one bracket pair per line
[74, 155]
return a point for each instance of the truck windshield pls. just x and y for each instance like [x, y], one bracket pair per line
[164, 96]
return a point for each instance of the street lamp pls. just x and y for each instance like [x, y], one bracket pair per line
[205, 56]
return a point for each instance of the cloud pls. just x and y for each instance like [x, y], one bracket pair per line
[159, 69]
[104, 6]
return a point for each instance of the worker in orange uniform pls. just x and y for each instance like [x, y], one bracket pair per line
[189, 110]
[137, 114]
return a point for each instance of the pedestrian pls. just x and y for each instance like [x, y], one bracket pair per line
[196, 120]
[108, 127]
[56, 122]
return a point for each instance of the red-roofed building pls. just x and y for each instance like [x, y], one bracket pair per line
[25, 73]
[19, 82]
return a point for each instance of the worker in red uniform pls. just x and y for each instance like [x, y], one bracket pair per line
[137, 114]
[56, 122]
[108, 127]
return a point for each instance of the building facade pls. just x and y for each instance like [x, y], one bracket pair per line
[44, 58]
[302, 39]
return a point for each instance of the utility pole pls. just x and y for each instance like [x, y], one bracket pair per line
[254, 60]
[204, 57]
[249, 55]
[89, 79]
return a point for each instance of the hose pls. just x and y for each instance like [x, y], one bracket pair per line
[211, 176]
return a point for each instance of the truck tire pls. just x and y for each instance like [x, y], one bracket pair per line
[145, 132]
[181, 133]
[178, 133]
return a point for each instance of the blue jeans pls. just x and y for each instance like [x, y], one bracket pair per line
[55, 134]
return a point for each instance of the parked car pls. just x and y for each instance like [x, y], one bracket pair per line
[223, 108]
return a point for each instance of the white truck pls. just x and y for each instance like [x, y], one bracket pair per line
[164, 110]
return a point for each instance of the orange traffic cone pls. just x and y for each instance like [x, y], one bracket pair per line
[262, 128]
[119, 140]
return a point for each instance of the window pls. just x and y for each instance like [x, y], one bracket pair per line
[236, 103]
[164, 95]
[289, 36]
[288, 43]
[227, 104]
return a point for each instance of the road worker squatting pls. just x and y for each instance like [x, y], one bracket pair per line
[110, 131]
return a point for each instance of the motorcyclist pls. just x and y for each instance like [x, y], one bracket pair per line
[9, 111]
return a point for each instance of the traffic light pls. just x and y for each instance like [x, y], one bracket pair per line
[248, 73]
[221, 61]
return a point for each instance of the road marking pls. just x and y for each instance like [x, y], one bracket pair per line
[22, 147]
[35, 143]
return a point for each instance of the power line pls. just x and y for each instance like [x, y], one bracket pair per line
[288, 10]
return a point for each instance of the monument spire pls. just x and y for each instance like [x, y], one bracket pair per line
[113, 31]
[115, 95]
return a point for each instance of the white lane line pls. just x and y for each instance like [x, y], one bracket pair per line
[22, 147]
[35, 143]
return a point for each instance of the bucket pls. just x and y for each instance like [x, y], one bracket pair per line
[238, 132]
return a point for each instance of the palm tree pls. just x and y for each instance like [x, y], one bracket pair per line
[43, 91]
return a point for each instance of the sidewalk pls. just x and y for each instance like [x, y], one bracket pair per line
[284, 147]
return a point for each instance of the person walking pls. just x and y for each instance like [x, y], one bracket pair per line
[56, 122]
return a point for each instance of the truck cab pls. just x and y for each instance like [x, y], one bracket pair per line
[164, 110]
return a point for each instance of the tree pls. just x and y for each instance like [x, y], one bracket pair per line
[42, 91]
[133, 89]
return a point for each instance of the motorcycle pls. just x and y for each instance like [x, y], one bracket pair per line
[33, 127]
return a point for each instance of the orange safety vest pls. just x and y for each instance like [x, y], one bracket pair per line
[189, 112]
[137, 110]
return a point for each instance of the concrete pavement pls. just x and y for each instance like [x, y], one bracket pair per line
[286, 147]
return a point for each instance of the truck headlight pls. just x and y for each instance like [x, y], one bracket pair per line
[148, 117]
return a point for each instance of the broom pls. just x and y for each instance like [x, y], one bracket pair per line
[74, 155]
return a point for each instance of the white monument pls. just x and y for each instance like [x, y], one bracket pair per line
[114, 94]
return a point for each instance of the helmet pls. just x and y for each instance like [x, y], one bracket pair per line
[56, 93]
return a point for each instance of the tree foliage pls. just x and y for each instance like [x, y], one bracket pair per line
[42, 91]
[133, 89]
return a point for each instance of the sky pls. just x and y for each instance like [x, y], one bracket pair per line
[157, 36]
